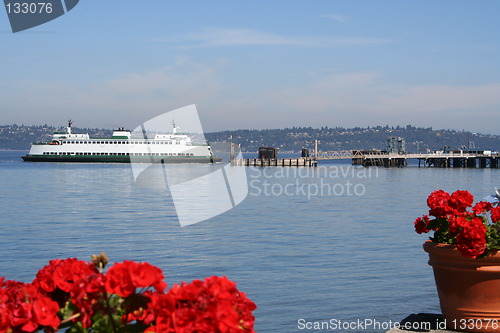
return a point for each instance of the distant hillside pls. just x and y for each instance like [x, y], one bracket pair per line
[20, 137]
[339, 138]
[292, 139]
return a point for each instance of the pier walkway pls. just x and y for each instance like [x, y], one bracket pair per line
[453, 159]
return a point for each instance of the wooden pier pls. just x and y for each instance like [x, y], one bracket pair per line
[381, 159]
[437, 160]
[285, 162]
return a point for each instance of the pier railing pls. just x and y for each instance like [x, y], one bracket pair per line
[348, 154]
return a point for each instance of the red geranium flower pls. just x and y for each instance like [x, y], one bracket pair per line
[68, 271]
[482, 207]
[461, 200]
[422, 224]
[495, 214]
[45, 311]
[124, 278]
[27, 308]
[81, 297]
[471, 240]
[438, 203]
[458, 222]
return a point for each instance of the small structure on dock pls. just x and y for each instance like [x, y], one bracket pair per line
[396, 144]
[268, 156]
[268, 152]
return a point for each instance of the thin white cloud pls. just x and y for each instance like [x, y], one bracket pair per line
[335, 17]
[215, 37]
[361, 99]
[339, 99]
[123, 100]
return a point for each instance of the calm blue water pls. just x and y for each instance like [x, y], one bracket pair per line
[343, 255]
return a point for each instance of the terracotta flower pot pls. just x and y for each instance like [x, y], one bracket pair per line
[468, 289]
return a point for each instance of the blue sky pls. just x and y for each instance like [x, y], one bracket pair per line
[258, 64]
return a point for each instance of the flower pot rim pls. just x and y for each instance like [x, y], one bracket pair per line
[452, 251]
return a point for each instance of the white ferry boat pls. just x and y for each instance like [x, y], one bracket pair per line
[67, 146]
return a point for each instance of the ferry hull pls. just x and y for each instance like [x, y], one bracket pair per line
[120, 159]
